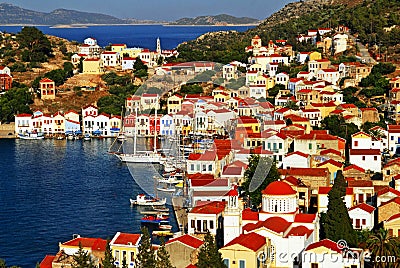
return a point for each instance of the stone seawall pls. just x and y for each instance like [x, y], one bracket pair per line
[7, 131]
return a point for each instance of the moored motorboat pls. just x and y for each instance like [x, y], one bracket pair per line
[143, 200]
[165, 227]
[31, 136]
[154, 219]
[162, 233]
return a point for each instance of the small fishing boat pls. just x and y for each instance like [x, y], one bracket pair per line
[154, 219]
[162, 233]
[86, 137]
[165, 227]
[121, 137]
[160, 208]
[31, 136]
[143, 200]
[70, 137]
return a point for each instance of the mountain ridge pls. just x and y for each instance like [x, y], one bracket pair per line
[14, 15]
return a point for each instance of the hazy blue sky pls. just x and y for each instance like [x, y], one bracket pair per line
[160, 9]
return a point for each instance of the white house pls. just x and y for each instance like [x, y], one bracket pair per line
[368, 159]
[329, 75]
[90, 110]
[296, 160]
[127, 63]
[90, 41]
[362, 216]
[282, 79]
[111, 58]
[278, 144]
[340, 43]
[149, 101]
[328, 253]
[205, 163]
[302, 57]
[167, 125]
[393, 139]
[23, 123]
[205, 217]
[229, 71]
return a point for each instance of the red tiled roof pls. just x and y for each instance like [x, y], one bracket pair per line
[326, 243]
[126, 238]
[46, 80]
[323, 172]
[330, 151]
[276, 224]
[231, 171]
[363, 206]
[23, 115]
[97, 244]
[317, 136]
[298, 153]
[278, 188]
[299, 231]
[248, 214]
[215, 207]
[393, 217]
[365, 152]
[331, 161]
[47, 262]
[188, 240]
[394, 200]
[359, 183]
[354, 167]
[305, 218]
[386, 190]
[251, 241]
[392, 162]
[207, 156]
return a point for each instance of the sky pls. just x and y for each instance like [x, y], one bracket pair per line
[161, 10]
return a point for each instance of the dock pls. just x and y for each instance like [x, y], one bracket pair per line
[180, 212]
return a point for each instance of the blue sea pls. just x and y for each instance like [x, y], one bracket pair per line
[144, 36]
[50, 189]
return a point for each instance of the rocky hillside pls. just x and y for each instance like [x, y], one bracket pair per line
[366, 18]
[222, 19]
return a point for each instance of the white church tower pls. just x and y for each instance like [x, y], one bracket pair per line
[158, 49]
[232, 217]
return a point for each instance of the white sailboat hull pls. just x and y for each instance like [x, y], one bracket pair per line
[140, 158]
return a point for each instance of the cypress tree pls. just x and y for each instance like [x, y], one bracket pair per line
[108, 261]
[163, 260]
[209, 256]
[82, 259]
[337, 224]
[145, 257]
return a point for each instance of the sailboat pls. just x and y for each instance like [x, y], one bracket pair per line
[142, 156]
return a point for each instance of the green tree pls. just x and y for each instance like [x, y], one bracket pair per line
[261, 171]
[124, 264]
[108, 261]
[338, 127]
[382, 244]
[163, 260]
[82, 259]
[337, 224]
[209, 256]
[36, 45]
[146, 256]
[14, 101]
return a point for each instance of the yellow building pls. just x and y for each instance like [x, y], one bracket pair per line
[325, 108]
[315, 55]
[59, 123]
[221, 97]
[93, 66]
[393, 225]
[333, 166]
[174, 104]
[132, 52]
[118, 47]
[47, 89]
[248, 122]
[247, 250]
[125, 246]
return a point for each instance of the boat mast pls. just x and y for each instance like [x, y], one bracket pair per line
[155, 128]
[135, 134]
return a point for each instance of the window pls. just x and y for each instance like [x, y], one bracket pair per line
[280, 145]
[209, 167]
[375, 158]
[211, 224]
[204, 225]
[192, 167]
[117, 255]
[242, 264]
[226, 262]
[355, 143]
[310, 146]
[314, 265]
[363, 221]
[132, 256]
[192, 225]
[388, 172]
